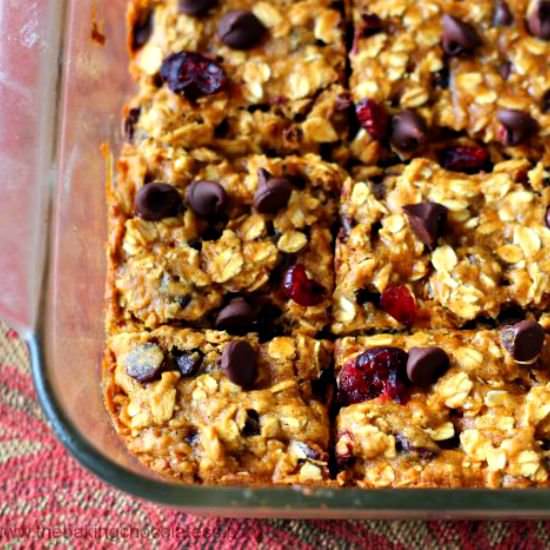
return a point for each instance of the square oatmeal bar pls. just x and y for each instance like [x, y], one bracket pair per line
[242, 245]
[206, 407]
[240, 76]
[438, 66]
[444, 409]
[425, 247]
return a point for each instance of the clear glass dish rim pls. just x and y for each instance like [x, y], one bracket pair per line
[269, 501]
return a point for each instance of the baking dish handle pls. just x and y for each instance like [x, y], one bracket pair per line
[29, 50]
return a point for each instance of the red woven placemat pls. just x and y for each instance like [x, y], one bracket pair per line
[48, 500]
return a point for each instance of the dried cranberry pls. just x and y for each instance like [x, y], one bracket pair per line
[399, 302]
[300, 288]
[192, 75]
[467, 159]
[373, 117]
[377, 372]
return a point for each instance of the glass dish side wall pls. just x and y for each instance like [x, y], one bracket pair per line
[67, 352]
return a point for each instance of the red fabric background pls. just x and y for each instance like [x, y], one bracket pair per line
[48, 500]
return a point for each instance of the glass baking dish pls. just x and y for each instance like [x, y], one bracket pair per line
[61, 92]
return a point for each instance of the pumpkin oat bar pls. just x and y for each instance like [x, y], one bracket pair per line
[240, 76]
[208, 407]
[423, 247]
[479, 68]
[444, 409]
[241, 245]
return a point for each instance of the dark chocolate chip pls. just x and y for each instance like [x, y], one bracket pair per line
[538, 19]
[409, 131]
[403, 444]
[241, 30]
[524, 340]
[343, 102]
[459, 37]
[235, 317]
[426, 365]
[547, 218]
[502, 16]
[240, 363]
[427, 221]
[196, 7]
[188, 362]
[518, 125]
[252, 423]
[272, 193]
[130, 122]
[156, 201]
[143, 27]
[368, 296]
[505, 69]
[207, 199]
[184, 301]
[510, 313]
[441, 78]
[545, 102]
[144, 363]
[192, 437]
[370, 25]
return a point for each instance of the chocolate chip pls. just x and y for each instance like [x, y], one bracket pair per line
[545, 102]
[207, 199]
[183, 301]
[370, 25]
[272, 194]
[510, 313]
[235, 317]
[426, 365]
[145, 362]
[240, 363]
[141, 32]
[409, 131]
[343, 102]
[403, 444]
[188, 362]
[518, 125]
[130, 123]
[505, 70]
[441, 78]
[196, 7]
[547, 218]
[524, 340]
[427, 221]
[252, 423]
[538, 19]
[156, 201]
[502, 16]
[241, 30]
[192, 437]
[459, 38]
[368, 296]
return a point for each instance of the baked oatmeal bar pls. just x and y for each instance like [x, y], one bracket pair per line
[479, 68]
[445, 409]
[239, 76]
[242, 245]
[208, 407]
[423, 247]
